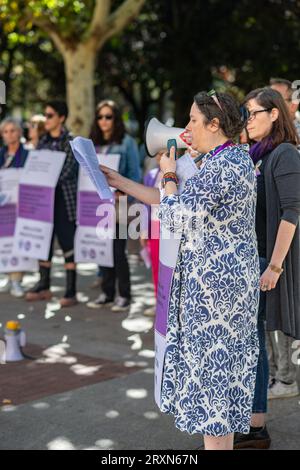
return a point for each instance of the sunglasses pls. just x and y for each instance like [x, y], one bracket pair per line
[108, 117]
[49, 115]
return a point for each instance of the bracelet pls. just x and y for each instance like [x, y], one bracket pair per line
[170, 174]
[275, 269]
[168, 179]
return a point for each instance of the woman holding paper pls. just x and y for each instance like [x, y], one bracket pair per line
[212, 344]
[12, 155]
[109, 137]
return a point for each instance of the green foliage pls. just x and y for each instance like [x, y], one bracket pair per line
[171, 51]
[69, 17]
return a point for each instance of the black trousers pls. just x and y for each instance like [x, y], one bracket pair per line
[64, 229]
[119, 274]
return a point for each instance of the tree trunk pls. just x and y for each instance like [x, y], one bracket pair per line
[80, 68]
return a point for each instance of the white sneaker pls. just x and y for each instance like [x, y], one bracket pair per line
[16, 289]
[281, 390]
[5, 287]
[121, 305]
[101, 301]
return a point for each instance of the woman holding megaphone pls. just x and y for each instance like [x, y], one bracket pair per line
[212, 344]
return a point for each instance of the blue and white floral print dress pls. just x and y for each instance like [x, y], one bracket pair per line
[212, 344]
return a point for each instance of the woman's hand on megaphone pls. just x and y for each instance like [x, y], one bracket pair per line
[168, 164]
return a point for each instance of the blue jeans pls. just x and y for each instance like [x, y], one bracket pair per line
[262, 373]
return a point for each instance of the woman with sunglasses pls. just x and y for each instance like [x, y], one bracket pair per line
[212, 345]
[109, 137]
[57, 138]
[274, 138]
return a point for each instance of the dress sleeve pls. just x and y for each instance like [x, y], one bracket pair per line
[202, 195]
[287, 179]
[170, 213]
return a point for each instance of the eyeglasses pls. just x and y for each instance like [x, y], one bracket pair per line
[213, 94]
[108, 117]
[253, 114]
[49, 115]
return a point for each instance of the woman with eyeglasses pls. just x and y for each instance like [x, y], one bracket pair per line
[109, 137]
[212, 344]
[273, 151]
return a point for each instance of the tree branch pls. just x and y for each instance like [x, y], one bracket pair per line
[117, 21]
[102, 27]
[100, 15]
[46, 25]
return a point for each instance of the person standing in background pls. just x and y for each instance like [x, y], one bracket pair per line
[277, 161]
[12, 155]
[36, 129]
[283, 373]
[109, 137]
[57, 138]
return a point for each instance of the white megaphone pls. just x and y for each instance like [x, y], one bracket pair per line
[15, 339]
[157, 135]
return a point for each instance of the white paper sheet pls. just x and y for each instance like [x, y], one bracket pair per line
[85, 153]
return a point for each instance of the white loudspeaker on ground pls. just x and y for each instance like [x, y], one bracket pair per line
[15, 339]
[157, 135]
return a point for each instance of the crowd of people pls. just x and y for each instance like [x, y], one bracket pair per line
[234, 307]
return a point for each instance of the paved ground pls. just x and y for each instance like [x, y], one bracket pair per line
[88, 381]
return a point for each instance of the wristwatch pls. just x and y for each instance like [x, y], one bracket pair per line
[275, 269]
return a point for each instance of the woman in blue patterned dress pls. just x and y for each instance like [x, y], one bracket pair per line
[212, 344]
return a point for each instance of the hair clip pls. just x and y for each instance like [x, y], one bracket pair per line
[213, 94]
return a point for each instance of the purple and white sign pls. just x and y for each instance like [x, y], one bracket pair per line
[34, 225]
[8, 215]
[168, 253]
[92, 243]
[36, 202]
[9, 261]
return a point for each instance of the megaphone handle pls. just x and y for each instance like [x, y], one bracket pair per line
[172, 143]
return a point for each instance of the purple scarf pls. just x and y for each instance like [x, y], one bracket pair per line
[260, 149]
